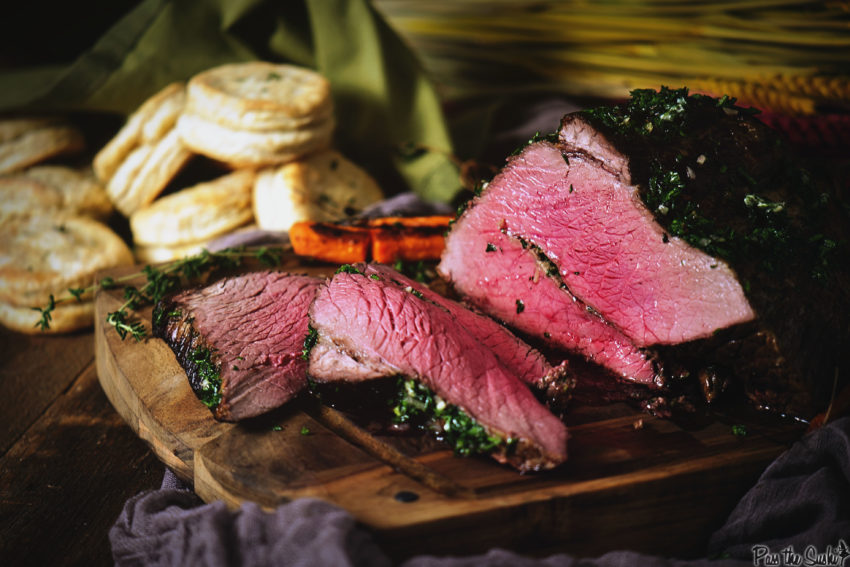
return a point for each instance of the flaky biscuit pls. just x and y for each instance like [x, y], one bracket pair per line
[260, 96]
[78, 192]
[159, 254]
[22, 196]
[198, 213]
[13, 127]
[42, 255]
[325, 186]
[145, 173]
[164, 116]
[242, 148]
[36, 145]
[148, 124]
[64, 318]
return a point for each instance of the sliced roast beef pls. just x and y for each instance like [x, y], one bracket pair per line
[526, 362]
[240, 340]
[389, 329]
[681, 222]
[608, 250]
[507, 278]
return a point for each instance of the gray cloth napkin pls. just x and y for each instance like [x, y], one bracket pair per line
[801, 500]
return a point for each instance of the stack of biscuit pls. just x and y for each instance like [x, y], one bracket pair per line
[264, 130]
[52, 234]
[46, 255]
[256, 114]
[182, 223]
[270, 128]
[146, 154]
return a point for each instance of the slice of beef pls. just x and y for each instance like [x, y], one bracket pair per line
[713, 176]
[682, 222]
[510, 280]
[240, 340]
[526, 362]
[609, 251]
[389, 329]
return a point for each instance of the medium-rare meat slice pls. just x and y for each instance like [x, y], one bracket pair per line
[609, 251]
[390, 330]
[526, 362]
[506, 278]
[713, 176]
[240, 340]
[684, 223]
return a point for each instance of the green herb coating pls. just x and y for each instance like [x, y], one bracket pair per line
[738, 220]
[416, 403]
[348, 269]
[309, 342]
[209, 377]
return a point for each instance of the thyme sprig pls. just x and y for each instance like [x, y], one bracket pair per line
[159, 281]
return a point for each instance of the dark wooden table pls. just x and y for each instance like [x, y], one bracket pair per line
[68, 462]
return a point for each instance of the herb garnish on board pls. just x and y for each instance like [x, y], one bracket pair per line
[160, 281]
[416, 404]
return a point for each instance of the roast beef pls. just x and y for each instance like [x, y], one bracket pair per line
[524, 361]
[509, 279]
[240, 340]
[386, 328]
[681, 224]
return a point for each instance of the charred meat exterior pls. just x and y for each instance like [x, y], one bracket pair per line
[680, 221]
[240, 340]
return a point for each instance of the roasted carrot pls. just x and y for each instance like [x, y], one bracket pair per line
[330, 242]
[390, 243]
[383, 240]
[412, 222]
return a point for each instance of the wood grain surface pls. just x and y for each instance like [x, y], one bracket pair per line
[68, 461]
[658, 488]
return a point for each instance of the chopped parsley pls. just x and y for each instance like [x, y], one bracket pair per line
[309, 342]
[702, 190]
[208, 382]
[348, 269]
[418, 405]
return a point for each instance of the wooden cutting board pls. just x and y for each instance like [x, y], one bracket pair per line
[632, 481]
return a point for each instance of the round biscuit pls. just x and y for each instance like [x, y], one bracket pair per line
[197, 213]
[13, 127]
[146, 121]
[119, 184]
[43, 255]
[260, 96]
[242, 148]
[164, 117]
[64, 318]
[22, 196]
[148, 173]
[79, 192]
[325, 186]
[40, 144]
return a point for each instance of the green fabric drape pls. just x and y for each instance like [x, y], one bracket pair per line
[383, 98]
